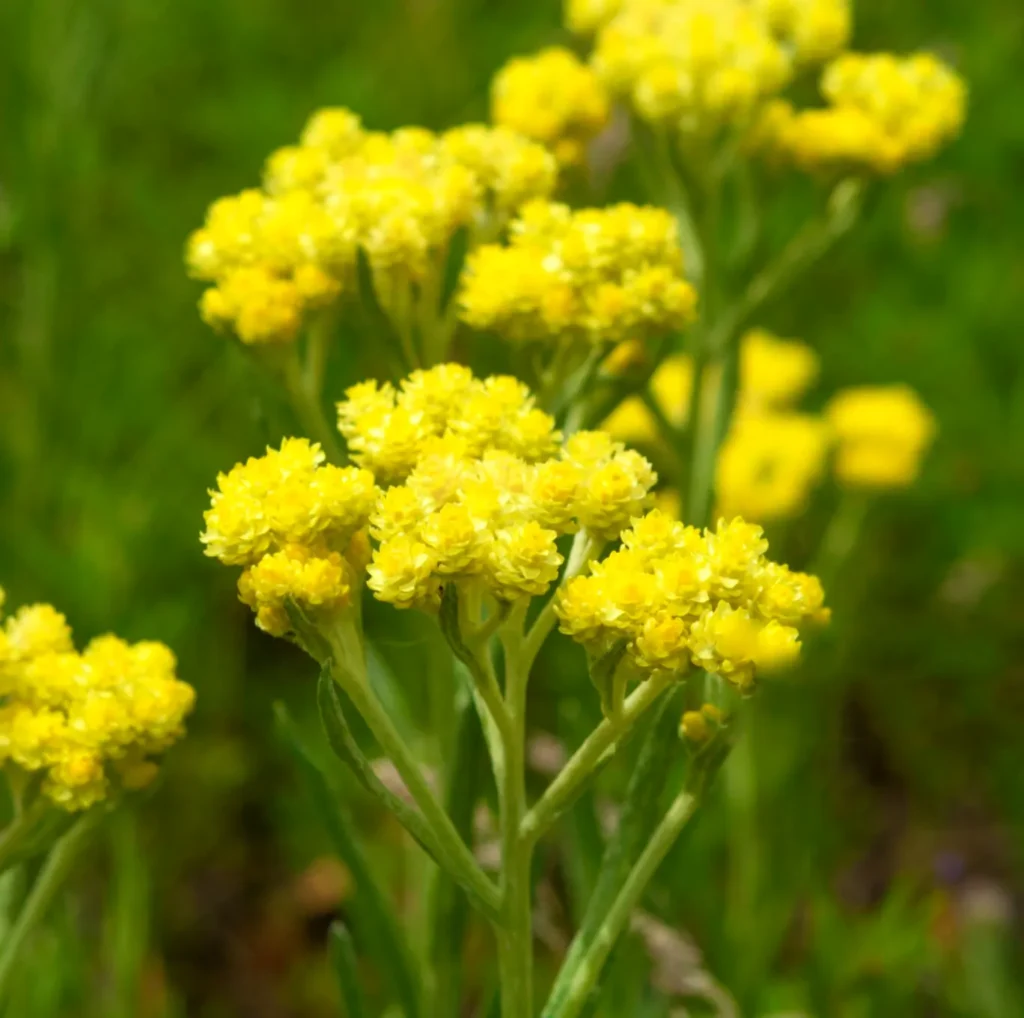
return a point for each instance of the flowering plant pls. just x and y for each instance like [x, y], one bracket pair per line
[504, 507]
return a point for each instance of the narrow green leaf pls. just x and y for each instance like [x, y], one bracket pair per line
[449, 909]
[346, 970]
[639, 814]
[343, 742]
[372, 911]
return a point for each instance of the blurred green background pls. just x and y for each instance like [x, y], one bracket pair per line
[873, 864]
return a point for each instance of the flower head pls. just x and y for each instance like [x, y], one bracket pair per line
[599, 275]
[675, 596]
[884, 112]
[81, 718]
[882, 433]
[553, 98]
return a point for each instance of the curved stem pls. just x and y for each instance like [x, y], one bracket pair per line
[53, 874]
[590, 964]
[455, 853]
[585, 547]
[306, 404]
[19, 830]
[573, 777]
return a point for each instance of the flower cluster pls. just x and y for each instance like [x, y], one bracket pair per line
[276, 254]
[884, 112]
[482, 485]
[84, 721]
[297, 525]
[673, 596]
[815, 29]
[881, 434]
[586, 16]
[553, 98]
[599, 275]
[695, 65]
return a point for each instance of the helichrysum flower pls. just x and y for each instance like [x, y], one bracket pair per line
[482, 485]
[599, 275]
[884, 112]
[675, 596]
[692, 65]
[297, 525]
[881, 434]
[815, 29]
[769, 463]
[587, 16]
[274, 255]
[553, 98]
[85, 721]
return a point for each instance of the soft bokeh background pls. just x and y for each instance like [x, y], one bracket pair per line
[869, 857]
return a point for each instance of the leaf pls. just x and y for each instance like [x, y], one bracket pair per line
[372, 911]
[603, 674]
[345, 747]
[346, 970]
[639, 814]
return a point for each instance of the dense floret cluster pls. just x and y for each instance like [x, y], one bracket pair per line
[297, 525]
[884, 112]
[600, 275]
[482, 484]
[86, 721]
[276, 254]
[673, 596]
[552, 97]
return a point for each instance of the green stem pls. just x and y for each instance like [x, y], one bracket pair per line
[573, 777]
[19, 831]
[515, 941]
[841, 536]
[307, 407]
[585, 547]
[53, 874]
[349, 671]
[588, 970]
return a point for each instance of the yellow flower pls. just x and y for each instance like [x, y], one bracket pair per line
[69, 715]
[884, 112]
[677, 595]
[553, 98]
[598, 275]
[769, 464]
[522, 561]
[586, 16]
[774, 373]
[693, 65]
[815, 29]
[882, 433]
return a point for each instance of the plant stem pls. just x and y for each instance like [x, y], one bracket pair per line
[574, 775]
[515, 941]
[53, 874]
[455, 853]
[841, 536]
[584, 548]
[588, 970]
[306, 405]
[18, 831]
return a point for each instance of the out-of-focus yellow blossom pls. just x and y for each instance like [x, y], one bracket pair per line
[694, 65]
[553, 98]
[86, 720]
[297, 525]
[598, 275]
[882, 433]
[675, 596]
[586, 16]
[769, 463]
[277, 254]
[884, 112]
[815, 29]
[774, 373]
[482, 485]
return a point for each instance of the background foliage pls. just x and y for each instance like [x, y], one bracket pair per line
[873, 865]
